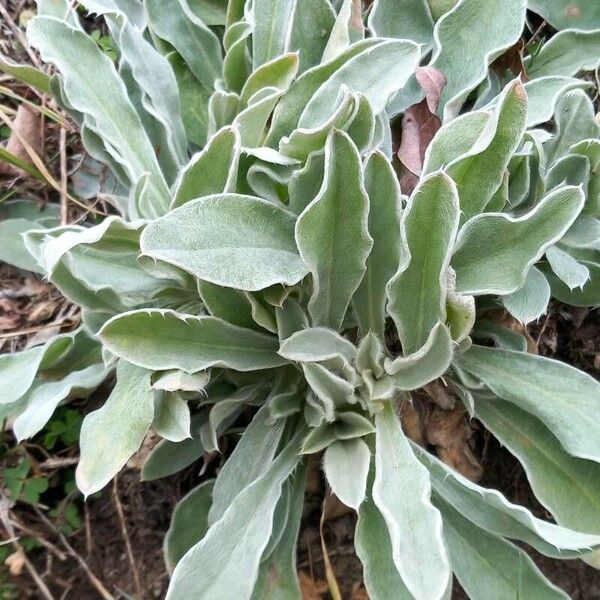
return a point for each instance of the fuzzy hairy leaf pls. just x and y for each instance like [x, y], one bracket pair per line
[332, 233]
[189, 523]
[468, 38]
[401, 491]
[212, 171]
[166, 339]
[346, 466]
[383, 190]
[231, 240]
[564, 484]
[417, 293]
[76, 55]
[564, 398]
[489, 510]
[228, 556]
[494, 251]
[489, 567]
[111, 434]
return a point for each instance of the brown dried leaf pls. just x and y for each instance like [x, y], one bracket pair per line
[449, 431]
[28, 125]
[310, 589]
[419, 125]
[511, 62]
[15, 563]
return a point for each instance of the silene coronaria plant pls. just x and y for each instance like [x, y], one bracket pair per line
[273, 254]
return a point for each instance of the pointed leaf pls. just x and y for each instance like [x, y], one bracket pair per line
[346, 466]
[111, 434]
[212, 171]
[494, 251]
[383, 190]
[228, 556]
[228, 239]
[564, 398]
[417, 293]
[165, 339]
[401, 492]
[332, 233]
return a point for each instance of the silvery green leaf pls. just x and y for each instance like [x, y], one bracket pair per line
[26, 73]
[531, 300]
[588, 295]
[482, 143]
[225, 410]
[417, 292]
[272, 22]
[227, 304]
[290, 318]
[348, 425]
[193, 40]
[402, 19]
[165, 339]
[566, 53]
[249, 461]
[568, 13]
[157, 85]
[562, 397]
[13, 250]
[468, 39]
[43, 398]
[277, 578]
[500, 335]
[401, 492]
[489, 510]
[347, 29]
[565, 485]
[383, 190]
[346, 466]
[573, 273]
[584, 233]
[189, 523]
[374, 548]
[168, 457]
[544, 93]
[305, 183]
[60, 240]
[460, 310]
[111, 434]
[194, 99]
[18, 370]
[253, 120]
[131, 9]
[376, 73]
[288, 111]
[277, 73]
[180, 381]
[237, 64]
[228, 556]
[426, 364]
[331, 389]
[212, 171]
[197, 238]
[312, 22]
[171, 416]
[317, 344]
[569, 170]
[487, 566]
[332, 233]
[211, 12]
[494, 251]
[439, 8]
[574, 119]
[303, 141]
[76, 55]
